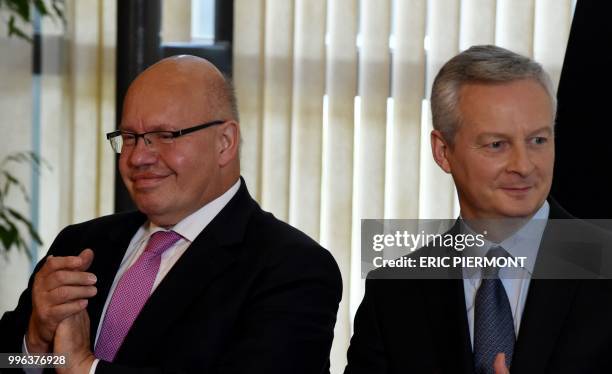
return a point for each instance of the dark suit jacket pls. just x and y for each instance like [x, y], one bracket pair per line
[420, 325]
[250, 295]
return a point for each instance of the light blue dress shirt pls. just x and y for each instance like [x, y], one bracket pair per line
[524, 243]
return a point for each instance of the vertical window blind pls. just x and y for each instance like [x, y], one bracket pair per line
[335, 117]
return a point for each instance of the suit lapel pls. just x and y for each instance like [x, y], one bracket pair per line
[548, 303]
[445, 301]
[210, 255]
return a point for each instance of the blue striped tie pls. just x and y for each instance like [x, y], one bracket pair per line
[493, 322]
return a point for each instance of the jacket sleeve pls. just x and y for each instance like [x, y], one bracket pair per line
[14, 324]
[366, 352]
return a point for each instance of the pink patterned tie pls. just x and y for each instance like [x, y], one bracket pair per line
[131, 293]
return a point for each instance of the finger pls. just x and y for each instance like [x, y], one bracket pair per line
[53, 263]
[87, 257]
[66, 294]
[500, 364]
[60, 312]
[52, 316]
[68, 278]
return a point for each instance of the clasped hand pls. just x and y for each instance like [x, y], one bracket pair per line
[59, 321]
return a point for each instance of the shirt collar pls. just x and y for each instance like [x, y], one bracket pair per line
[524, 243]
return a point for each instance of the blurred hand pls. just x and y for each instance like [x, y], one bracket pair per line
[499, 366]
[61, 289]
[72, 339]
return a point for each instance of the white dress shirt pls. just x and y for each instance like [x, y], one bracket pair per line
[524, 243]
[189, 228]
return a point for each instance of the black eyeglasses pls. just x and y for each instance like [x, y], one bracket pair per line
[153, 139]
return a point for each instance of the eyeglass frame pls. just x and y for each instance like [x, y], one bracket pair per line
[175, 134]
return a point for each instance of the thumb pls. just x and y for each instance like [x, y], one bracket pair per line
[87, 256]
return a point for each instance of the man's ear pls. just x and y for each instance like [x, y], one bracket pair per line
[440, 150]
[228, 142]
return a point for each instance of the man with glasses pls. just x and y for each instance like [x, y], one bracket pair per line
[200, 279]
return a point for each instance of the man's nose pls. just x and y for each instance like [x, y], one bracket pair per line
[520, 161]
[142, 153]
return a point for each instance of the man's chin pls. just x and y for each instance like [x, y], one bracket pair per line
[150, 207]
[520, 209]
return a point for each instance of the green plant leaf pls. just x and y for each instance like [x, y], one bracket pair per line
[41, 7]
[5, 237]
[12, 180]
[26, 222]
[20, 7]
[58, 7]
[10, 219]
[11, 236]
[14, 30]
[20, 157]
[27, 156]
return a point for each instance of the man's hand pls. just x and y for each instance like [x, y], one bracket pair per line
[60, 289]
[72, 339]
[499, 366]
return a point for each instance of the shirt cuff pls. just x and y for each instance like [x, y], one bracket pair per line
[24, 349]
[92, 370]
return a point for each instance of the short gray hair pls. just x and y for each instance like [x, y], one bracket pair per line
[227, 97]
[481, 63]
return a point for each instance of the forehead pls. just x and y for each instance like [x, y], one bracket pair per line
[510, 107]
[157, 105]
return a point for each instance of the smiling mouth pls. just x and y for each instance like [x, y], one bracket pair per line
[517, 190]
[147, 181]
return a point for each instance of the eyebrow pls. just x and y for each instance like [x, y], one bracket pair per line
[157, 127]
[547, 129]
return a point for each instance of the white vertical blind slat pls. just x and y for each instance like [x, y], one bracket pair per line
[437, 188]
[514, 27]
[551, 32]
[84, 112]
[408, 86]
[277, 107]
[307, 116]
[55, 149]
[370, 127]
[107, 114]
[477, 25]
[248, 71]
[337, 177]
[374, 91]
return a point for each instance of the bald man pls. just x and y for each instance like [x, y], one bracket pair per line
[199, 279]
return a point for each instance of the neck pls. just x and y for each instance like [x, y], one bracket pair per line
[497, 229]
